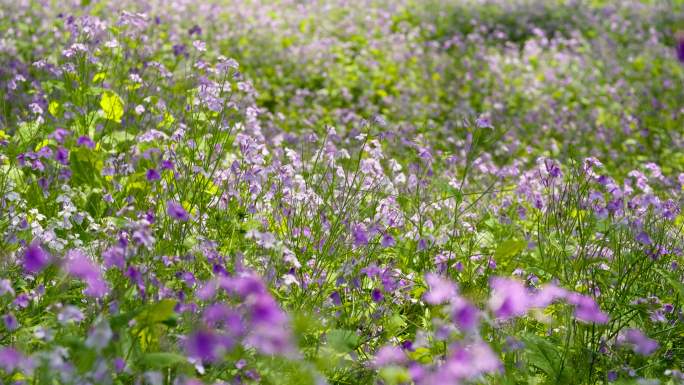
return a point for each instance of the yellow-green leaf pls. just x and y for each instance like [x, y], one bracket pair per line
[112, 106]
[53, 108]
[100, 76]
[167, 121]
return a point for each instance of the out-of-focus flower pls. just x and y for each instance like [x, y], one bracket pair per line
[641, 344]
[389, 355]
[35, 258]
[10, 322]
[509, 298]
[99, 336]
[79, 265]
[440, 289]
[680, 47]
[465, 314]
[202, 345]
[586, 309]
[86, 142]
[10, 359]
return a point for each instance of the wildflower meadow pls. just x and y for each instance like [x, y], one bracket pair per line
[343, 192]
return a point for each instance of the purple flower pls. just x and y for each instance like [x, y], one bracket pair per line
[360, 235]
[166, 165]
[35, 258]
[389, 355]
[196, 29]
[376, 295]
[467, 362]
[552, 168]
[6, 287]
[10, 322]
[335, 297]
[509, 298]
[220, 315]
[465, 314]
[62, 155]
[680, 48]
[114, 257]
[22, 300]
[387, 241]
[179, 49]
[548, 294]
[99, 336]
[119, 364]
[483, 122]
[641, 344]
[70, 313]
[152, 174]
[80, 266]
[85, 141]
[586, 309]
[10, 359]
[59, 135]
[202, 345]
[441, 289]
[643, 238]
[176, 211]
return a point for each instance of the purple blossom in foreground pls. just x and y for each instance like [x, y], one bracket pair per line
[465, 314]
[641, 344]
[464, 363]
[509, 298]
[202, 345]
[440, 289]
[389, 355]
[35, 258]
[79, 265]
[10, 359]
[586, 309]
[10, 322]
[376, 295]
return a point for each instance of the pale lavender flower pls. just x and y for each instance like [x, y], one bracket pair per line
[641, 344]
[79, 265]
[10, 359]
[509, 298]
[440, 290]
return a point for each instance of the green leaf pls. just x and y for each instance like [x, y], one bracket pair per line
[343, 340]
[678, 286]
[545, 356]
[53, 108]
[395, 324]
[86, 167]
[160, 360]
[112, 106]
[509, 248]
[395, 375]
[157, 312]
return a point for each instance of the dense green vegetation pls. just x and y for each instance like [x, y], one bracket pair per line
[329, 192]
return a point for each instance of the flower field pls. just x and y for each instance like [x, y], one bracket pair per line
[428, 192]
